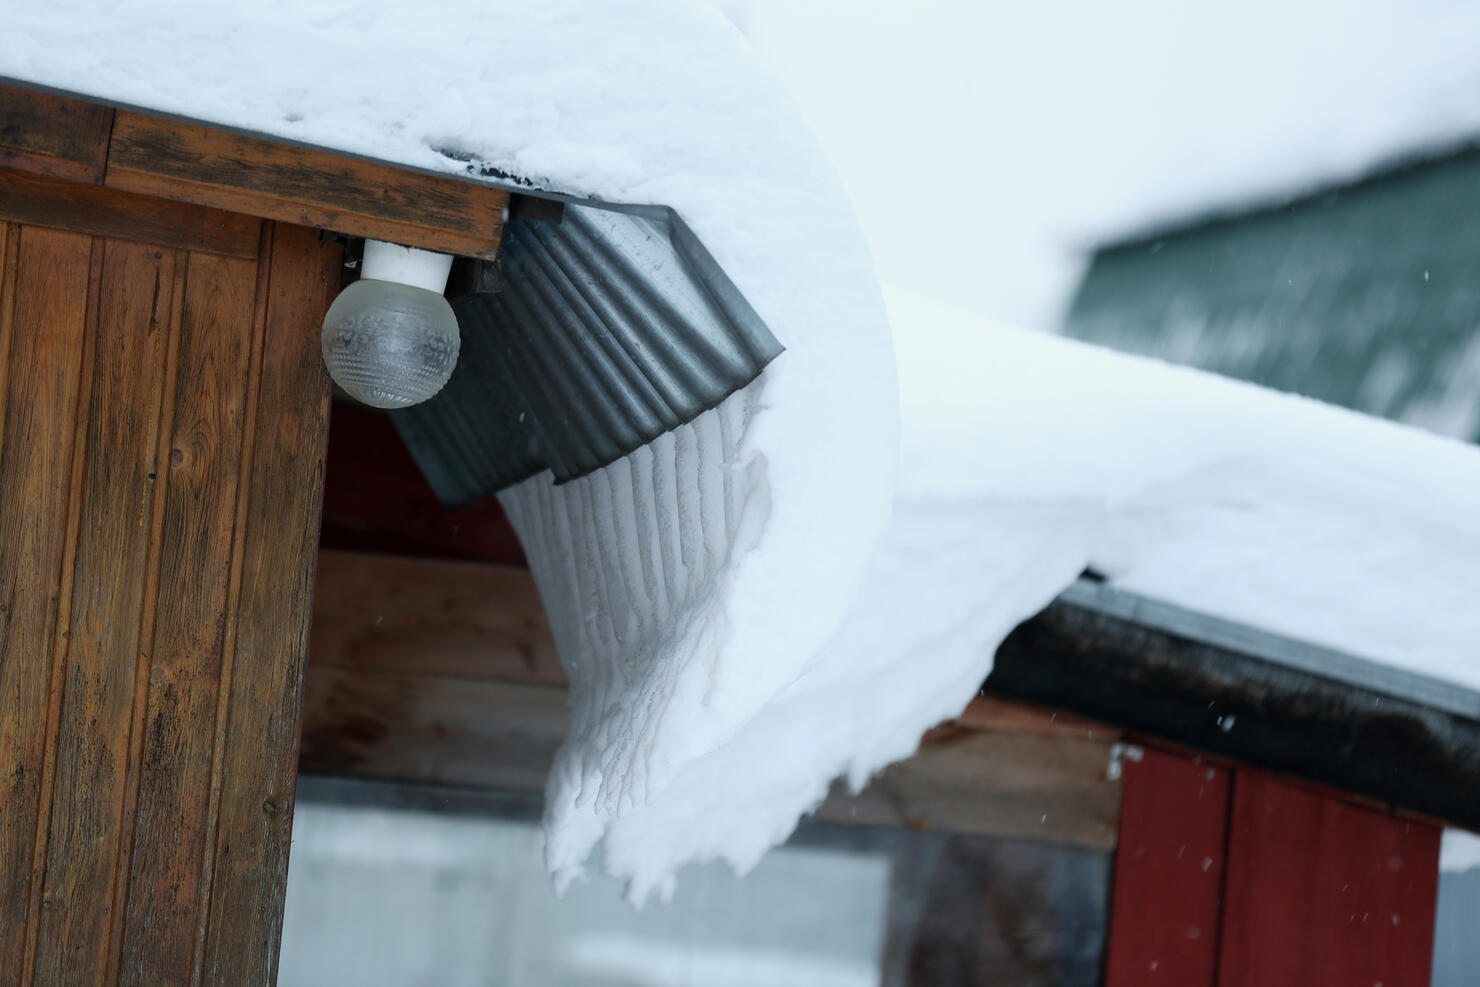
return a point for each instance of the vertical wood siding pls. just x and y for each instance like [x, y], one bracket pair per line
[1236, 877]
[163, 411]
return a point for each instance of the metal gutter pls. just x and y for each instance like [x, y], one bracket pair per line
[1396, 737]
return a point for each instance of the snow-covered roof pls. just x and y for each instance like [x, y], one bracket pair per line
[752, 605]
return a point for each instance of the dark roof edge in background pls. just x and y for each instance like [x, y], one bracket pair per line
[1336, 720]
[1395, 168]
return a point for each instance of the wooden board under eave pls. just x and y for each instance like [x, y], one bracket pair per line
[162, 420]
[294, 184]
[54, 135]
[45, 137]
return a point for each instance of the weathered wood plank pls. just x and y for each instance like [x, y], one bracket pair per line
[65, 205]
[198, 534]
[1026, 785]
[53, 135]
[257, 758]
[293, 184]
[127, 841]
[9, 251]
[472, 734]
[107, 603]
[431, 617]
[46, 284]
[990, 713]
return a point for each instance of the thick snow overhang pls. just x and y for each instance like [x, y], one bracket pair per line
[1397, 737]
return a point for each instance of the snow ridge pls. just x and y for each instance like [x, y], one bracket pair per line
[631, 563]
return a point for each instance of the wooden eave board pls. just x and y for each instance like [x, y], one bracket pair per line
[131, 151]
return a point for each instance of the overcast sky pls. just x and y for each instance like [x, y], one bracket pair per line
[987, 144]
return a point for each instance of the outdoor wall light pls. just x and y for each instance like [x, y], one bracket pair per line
[390, 339]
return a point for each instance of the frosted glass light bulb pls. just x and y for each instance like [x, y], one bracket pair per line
[390, 339]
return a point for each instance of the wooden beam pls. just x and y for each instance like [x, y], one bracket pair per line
[259, 177]
[88, 142]
[430, 618]
[444, 672]
[53, 135]
[65, 205]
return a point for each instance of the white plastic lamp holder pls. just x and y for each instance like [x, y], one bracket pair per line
[390, 339]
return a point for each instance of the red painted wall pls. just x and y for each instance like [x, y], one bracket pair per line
[1234, 877]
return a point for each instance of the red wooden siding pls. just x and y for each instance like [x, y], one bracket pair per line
[1238, 878]
[1168, 872]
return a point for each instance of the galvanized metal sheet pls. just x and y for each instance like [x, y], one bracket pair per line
[613, 326]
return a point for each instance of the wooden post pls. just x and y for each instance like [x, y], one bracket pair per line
[163, 412]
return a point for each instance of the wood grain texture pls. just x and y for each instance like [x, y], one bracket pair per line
[1169, 867]
[137, 384]
[53, 135]
[203, 467]
[106, 612]
[258, 177]
[1324, 891]
[1016, 785]
[431, 617]
[256, 764]
[46, 280]
[81, 208]
[426, 729]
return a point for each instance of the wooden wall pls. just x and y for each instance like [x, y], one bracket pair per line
[163, 410]
[1233, 876]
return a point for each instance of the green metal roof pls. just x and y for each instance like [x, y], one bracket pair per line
[1367, 296]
